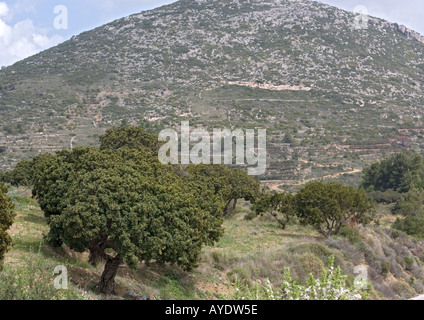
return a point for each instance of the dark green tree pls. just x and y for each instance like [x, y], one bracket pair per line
[230, 184]
[21, 175]
[412, 225]
[410, 203]
[126, 207]
[281, 206]
[328, 207]
[53, 175]
[131, 138]
[6, 220]
[411, 207]
[399, 172]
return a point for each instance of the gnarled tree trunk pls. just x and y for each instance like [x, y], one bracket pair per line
[107, 282]
[228, 209]
[283, 223]
[234, 205]
[97, 251]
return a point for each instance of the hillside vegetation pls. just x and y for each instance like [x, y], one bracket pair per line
[323, 223]
[82, 189]
[332, 97]
[250, 250]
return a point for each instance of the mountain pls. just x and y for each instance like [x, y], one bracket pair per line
[332, 96]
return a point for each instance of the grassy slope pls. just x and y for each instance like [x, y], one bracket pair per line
[250, 250]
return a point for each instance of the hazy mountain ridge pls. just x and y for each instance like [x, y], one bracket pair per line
[176, 62]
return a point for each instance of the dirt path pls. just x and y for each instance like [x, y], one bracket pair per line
[72, 141]
[275, 184]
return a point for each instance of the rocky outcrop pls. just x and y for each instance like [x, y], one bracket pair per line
[410, 34]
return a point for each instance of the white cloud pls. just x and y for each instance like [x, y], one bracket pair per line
[4, 9]
[22, 39]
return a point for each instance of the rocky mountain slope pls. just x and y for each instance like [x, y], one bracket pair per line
[332, 96]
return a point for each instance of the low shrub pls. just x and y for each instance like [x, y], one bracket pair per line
[250, 216]
[318, 250]
[395, 234]
[221, 260]
[350, 233]
[408, 262]
[385, 268]
[307, 263]
[403, 290]
[239, 275]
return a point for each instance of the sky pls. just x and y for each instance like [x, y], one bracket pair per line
[30, 26]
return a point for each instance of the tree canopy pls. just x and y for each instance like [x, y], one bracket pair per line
[125, 200]
[131, 138]
[122, 205]
[21, 175]
[412, 225]
[230, 184]
[281, 206]
[411, 207]
[6, 220]
[328, 207]
[399, 172]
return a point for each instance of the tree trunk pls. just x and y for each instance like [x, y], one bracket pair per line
[107, 282]
[97, 251]
[227, 209]
[282, 223]
[96, 256]
[234, 205]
